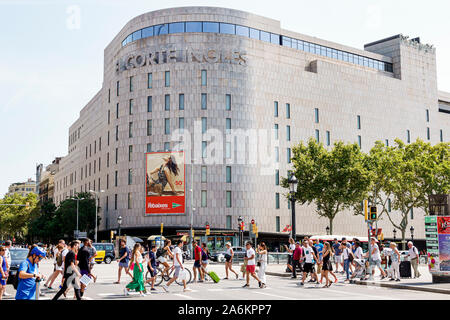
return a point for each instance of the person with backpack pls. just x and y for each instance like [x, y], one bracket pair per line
[58, 264]
[229, 261]
[347, 256]
[413, 255]
[71, 277]
[205, 258]
[262, 263]
[308, 257]
[28, 275]
[198, 252]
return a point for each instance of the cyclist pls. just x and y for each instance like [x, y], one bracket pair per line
[29, 275]
[162, 255]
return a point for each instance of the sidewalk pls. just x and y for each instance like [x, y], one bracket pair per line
[424, 283]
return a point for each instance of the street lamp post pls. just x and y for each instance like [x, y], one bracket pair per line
[412, 232]
[395, 232]
[240, 231]
[97, 198]
[293, 189]
[191, 238]
[328, 230]
[78, 201]
[119, 222]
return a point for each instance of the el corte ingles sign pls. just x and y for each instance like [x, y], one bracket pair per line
[161, 56]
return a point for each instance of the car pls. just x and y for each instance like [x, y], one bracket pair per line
[17, 256]
[219, 256]
[105, 252]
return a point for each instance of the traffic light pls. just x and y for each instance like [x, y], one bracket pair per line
[162, 227]
[253, 226]
[366, 213]
[242, 226]
[207, 230]
[373, 213]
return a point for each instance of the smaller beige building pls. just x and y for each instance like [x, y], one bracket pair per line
[22, 188]
[47, 182]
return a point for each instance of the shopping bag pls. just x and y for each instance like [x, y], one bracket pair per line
[182, 275]
[85, 279]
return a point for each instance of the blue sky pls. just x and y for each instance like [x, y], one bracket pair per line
[51, 57]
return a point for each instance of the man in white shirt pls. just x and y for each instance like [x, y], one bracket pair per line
[251, 264]
[178, 264]
[308, 266]
[413, 255]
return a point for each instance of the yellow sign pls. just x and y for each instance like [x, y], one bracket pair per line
[366, 213]
[207, 232]
[192, 234]
[256, 231]
[162, 227]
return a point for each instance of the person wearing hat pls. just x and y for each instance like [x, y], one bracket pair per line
[394, 256]
[229, 254]
[166, 173]
[29, 275]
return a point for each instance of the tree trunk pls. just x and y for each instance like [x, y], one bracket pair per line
[331, 225]
[403, 239]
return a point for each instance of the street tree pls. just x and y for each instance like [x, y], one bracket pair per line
[331, 179]
[14, 215]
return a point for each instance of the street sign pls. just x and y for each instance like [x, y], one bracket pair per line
[79, 234]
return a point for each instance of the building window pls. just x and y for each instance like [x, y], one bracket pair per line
[149, 127]
[166, 126]
[428, 115]
[288, 111]
[228, 198]
[167, 102]
[149, 80]
[228, 126]
[130, 176]
[181, 124]
[117, 110]
[106, 204]
[428, 133]
[228, 102]
[358, 122]
[277, 154]
[276, 131]
[109, 95]
[441, 134]
[229, 222]
[131, 107]
[100, 144]
[116, 178]
[181, 101]
[131, 83]
[149, 104]
[316, 115]
[288, 155]
[411, 212]
[204, 145]
[166, 146]
[204, 78]
[108, 138]
[109, 116]
[117, 133]
[277, 224]
[328, 138]
[117, 155]
[204, 173]
[167, 79]
[129, 200]
[277, 200]
[204, 199]
[288, 133]
[115, 201]
[130, 130]
[317, 135]
[107, 181]
[149, 147]
[204, 124]
[408, 136]
[117, 88]
[275, 105]
[130, 152]
[359, 141]
[204, 101]
[228, 174]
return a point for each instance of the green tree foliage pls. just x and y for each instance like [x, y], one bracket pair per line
[14, 219]
[331, 179]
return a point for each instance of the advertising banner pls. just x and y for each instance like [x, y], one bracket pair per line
[165, 183]
[444, 252]
[443, 224]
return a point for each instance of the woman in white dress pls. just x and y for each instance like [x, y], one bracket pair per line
[262, 259]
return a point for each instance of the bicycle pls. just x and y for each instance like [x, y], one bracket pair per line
[161, 276]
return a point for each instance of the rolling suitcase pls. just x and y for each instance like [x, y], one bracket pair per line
[214, 276]
[405, 269]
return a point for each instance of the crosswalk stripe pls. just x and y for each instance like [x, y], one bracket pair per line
[183, 296]
[274, 295]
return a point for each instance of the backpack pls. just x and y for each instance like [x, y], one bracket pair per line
[159, 252]
[16, 278]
